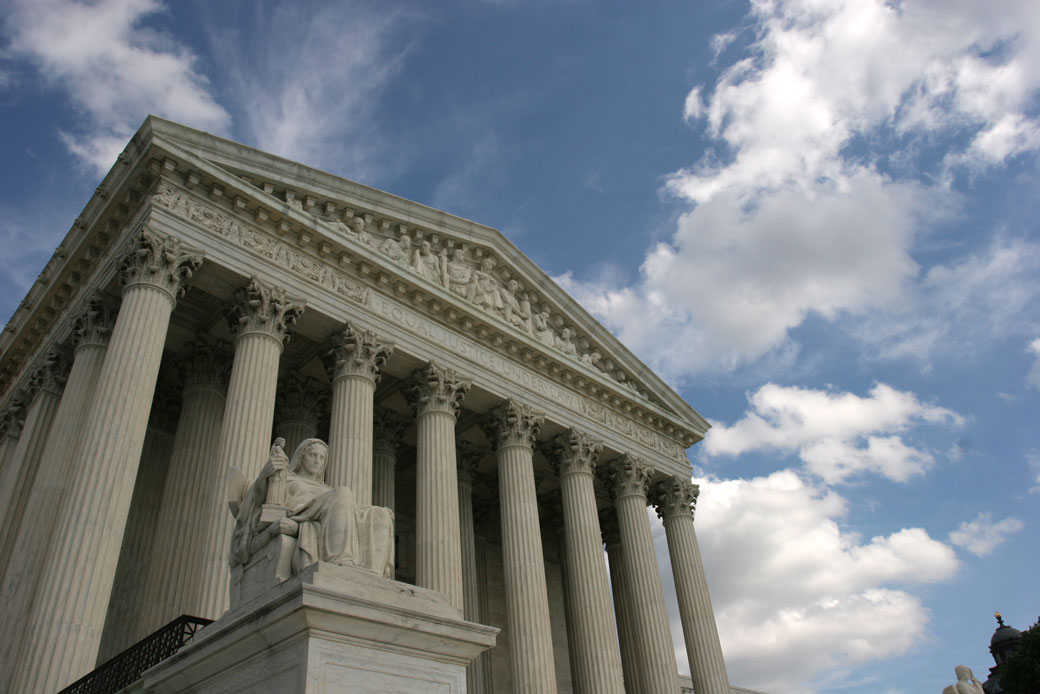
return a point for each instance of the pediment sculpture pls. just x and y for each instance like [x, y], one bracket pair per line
[291, 518]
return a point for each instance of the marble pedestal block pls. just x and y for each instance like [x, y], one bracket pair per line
[329, 629]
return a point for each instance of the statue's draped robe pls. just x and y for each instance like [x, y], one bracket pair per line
[332, 527]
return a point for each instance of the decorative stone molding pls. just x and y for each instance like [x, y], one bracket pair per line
[469, 456]
[512, 424]
[435, 388]
[675, 496]
[262, 308]
[159, 261]
[301, 398]
[628, 476]
[205, 362]
[356, 351]
[574, 451]
[94, 325]
[52, 372]
[387, 430]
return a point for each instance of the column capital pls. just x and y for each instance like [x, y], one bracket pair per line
[609, 527]
[512, 424]
[469, 456]
[159, 261]
[552, 511]
[433, 388]
[93, 326]
[52, 372]
[166, 410]
[265, 309]
[387, 430]
[574, 451]
[355, 351]
[675, 497]
[628, 475]
[205, 362]
[12, 417]
[300, 398]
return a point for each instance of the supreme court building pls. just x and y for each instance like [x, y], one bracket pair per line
[211, 297]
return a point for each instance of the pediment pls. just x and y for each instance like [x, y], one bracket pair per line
[462, 266]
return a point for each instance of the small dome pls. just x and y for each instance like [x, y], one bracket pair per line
[1004, 635]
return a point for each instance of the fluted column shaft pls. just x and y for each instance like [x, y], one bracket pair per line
[468, 457]
[597, 663]
[64, 629]
[194, 499]
[675, 503]
[435, 393]
[22, 577]
[354, 360]
[48, 382]
[622, 609]
[513, 428]
[388, 427]
[658, 669]
[260, 318]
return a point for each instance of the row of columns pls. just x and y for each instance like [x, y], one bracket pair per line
[89, 486]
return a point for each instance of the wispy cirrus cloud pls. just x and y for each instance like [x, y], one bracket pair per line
[113, 68]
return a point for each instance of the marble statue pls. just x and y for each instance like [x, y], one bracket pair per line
[290, 498]
[517, 310]
[426, 264]
[966, 682]
[483, 290]
[457, 273]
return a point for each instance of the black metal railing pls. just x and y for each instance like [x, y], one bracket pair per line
[127, 667]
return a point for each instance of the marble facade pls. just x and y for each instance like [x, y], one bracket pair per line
[211, 297]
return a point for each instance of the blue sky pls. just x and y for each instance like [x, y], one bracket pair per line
[817, 219]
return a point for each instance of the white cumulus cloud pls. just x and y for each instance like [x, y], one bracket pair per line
[837, 435]
[1033, 377]
[981, 535]
[795, 594]
[112, 68]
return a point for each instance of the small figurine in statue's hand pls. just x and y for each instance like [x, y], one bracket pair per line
[278, 461]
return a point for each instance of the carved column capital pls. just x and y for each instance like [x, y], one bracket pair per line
[300, 398]
[166, 410]
[512, 424]
[469, 456]
[574, 451]
[51, 373]
[355, 351]
[387, 430]
[608, 526]
[675, 497]
[159, 261]
[552, 511]
[93, 326]
[204, 362]
[434, 388]
[12, 417]
[628, 476]
[262, 308]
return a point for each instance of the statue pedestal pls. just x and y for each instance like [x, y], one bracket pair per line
[329, 629]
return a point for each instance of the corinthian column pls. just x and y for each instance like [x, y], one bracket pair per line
[354, 362]
[512, 429]
[260, 319]
[194, 503]
[22, 579]
[675, 500]
[659, 672]
[596, 661]
[46, 384]
[297, 408]
[622, 602]
[65, 625]
[469, 456]
[435, 394]
[388, 428]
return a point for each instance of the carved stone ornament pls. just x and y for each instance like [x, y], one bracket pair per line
[300, 399]
[433, 388]
[355, 351]
[469, 456]
[205, 362]
[574, 451]
[387, 430]
[512, 424]
[629, 476]
[675, 497]
[94, 325]
[262, 308]
[12, 418]
[166, 409]
[159, 261]
[52, 372]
